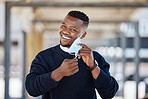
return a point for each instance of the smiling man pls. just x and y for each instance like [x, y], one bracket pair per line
[56, 73]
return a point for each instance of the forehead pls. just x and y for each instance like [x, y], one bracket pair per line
[69, 20]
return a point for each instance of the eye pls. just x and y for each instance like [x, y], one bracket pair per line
[63, 26]
[73, 30]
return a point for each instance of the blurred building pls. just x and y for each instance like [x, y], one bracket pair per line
[34, 26]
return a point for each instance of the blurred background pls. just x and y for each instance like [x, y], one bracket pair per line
[118, 30]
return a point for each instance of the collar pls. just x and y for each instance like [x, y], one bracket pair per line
[65, 49]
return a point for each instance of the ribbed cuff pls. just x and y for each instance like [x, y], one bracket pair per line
[48, 81]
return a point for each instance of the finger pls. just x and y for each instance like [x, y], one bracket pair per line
[79, 56]
[75, 67]
[83, 45]
[73, 60]
[84, 53]
[74, 64]
[72, 67]
[66, 60]
[84, 49]
[75, 70]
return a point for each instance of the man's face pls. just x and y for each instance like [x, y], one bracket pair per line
[70, 29]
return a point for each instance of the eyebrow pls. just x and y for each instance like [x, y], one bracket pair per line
[70, 26]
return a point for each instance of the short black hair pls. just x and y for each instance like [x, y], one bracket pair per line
[80, 15]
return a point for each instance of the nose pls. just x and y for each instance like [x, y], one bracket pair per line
[66, 31]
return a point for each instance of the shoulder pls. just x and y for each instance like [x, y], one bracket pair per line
[48, 50]
[99, 58]
[97, 55]
[45, 55]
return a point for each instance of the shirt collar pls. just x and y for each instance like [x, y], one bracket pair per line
[65, 49]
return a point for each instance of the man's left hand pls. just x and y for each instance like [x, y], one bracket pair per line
[87, 55]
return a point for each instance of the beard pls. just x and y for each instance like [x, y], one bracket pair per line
[66, 45]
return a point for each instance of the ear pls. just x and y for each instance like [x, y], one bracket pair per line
[83, 35]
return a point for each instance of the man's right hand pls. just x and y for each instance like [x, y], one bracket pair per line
[67, 68]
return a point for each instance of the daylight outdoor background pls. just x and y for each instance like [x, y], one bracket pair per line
[118, 30]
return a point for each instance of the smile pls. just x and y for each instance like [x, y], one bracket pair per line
[65, 37]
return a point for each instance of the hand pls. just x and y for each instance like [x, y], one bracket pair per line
[69, 67]
[86, 54]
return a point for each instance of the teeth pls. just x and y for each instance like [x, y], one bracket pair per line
[65, 37]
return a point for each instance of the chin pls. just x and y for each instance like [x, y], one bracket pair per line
[65, 45]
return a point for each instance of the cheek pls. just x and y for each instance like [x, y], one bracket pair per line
[74, 37]
[60, 29]
[73, 40]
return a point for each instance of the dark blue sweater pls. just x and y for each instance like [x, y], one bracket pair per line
[81, 85]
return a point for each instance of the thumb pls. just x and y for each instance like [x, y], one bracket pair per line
[79, 56]
[66, 60]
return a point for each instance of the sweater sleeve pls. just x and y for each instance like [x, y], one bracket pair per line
[105, 84]
[38, 81]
